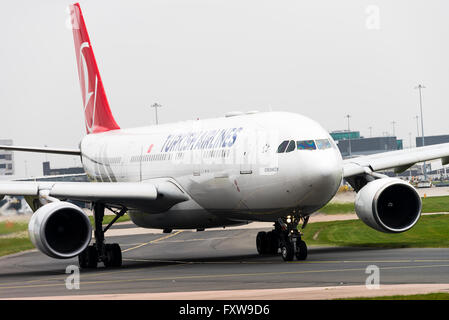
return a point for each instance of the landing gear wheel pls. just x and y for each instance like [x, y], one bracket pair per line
[88, 259]
[301, 250]
[113, 255]
[272, 243]
[261, 242]
[287, 251]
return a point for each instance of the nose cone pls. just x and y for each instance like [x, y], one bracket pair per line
[321, 173]
[313, 174]
[325, 168]
[328, 171]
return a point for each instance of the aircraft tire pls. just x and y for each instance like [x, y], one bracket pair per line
[287, 251]
[261, 242]
[88, 259]
[272, 243]
[301, 250]
[113, 255]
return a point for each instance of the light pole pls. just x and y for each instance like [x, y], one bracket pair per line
[155, 106]
[370, 132]
[349, 136]
[417, 126]
[410, 140]
[393, 123]
[420, 87]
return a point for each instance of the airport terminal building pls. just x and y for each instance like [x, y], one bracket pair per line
[6, 159]
[430, 140]
[351, 144]
[48, 171]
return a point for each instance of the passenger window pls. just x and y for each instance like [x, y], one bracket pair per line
[282, 147]
[291, 146]
[323, 144]
[306, 145]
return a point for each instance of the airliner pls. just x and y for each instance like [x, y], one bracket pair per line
[276, 167]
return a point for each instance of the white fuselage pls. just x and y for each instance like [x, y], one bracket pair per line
[230, 167]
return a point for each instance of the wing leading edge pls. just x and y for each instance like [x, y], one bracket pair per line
[153, 196]
[399, 160]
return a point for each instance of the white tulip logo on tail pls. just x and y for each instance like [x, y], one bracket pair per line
[89, 114]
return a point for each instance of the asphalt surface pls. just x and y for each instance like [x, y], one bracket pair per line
[186, 261]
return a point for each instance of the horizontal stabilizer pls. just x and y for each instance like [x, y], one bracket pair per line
[74, 152]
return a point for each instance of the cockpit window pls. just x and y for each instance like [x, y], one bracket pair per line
[334, 145]
[291, 146]
[306, 145]
[282, 146]
[323, 144]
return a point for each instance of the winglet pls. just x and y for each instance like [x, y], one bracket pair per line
[98, 115]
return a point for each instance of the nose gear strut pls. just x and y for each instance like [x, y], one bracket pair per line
[285, 237]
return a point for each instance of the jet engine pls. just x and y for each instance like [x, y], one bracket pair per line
[388, 205]
[60, 230]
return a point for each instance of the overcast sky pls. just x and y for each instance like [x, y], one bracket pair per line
[203, 58]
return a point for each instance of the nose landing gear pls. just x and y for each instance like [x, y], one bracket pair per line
[285, 237]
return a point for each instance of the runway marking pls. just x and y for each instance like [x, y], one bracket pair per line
[369, 261]
[153, 241]
[188, 240]
[64, 275]
[281, 262]
[104, 273]
[130, 244]
[192, 277]
[180, 262]
[84, 275]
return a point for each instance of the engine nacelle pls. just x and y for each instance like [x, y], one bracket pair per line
[60, 230]
[388, 205]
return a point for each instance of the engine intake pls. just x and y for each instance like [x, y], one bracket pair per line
[60, 230]
[388, 205]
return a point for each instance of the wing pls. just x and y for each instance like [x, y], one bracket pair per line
[400, 161]
[153, 195]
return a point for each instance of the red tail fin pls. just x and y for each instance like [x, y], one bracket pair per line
[97, 113]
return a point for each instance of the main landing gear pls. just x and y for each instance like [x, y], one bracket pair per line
[109, 254]
[285, 237]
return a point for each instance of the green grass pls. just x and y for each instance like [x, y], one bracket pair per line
[430, 231]
[11, 227]
[429, 205]
[14, 245]
[428, 296]
[338, 208]
[435, 204]
[109, 218]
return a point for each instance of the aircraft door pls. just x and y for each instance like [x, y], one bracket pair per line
[245, 151]
[245, 165]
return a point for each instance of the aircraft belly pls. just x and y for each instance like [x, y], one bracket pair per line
[192, 219]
